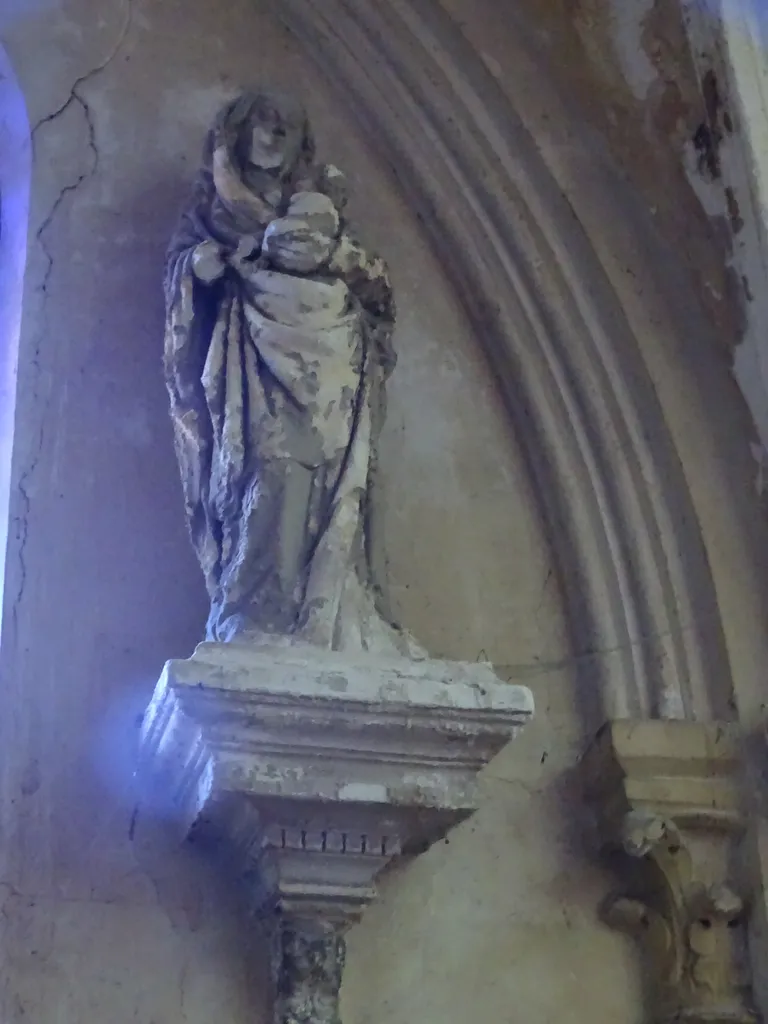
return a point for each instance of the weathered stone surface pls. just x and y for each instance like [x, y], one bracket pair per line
[467, 544]
[278, 345]
[326, 744]
[307, 970]
[668, 797]
[317, 769]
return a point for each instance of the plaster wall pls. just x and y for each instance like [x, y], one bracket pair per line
[103, 917]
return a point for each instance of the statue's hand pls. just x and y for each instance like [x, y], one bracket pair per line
[208, 262]
[244, 255]
[246, 247]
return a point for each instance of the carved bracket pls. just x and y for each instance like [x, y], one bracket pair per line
[667, 797]
[317, 769]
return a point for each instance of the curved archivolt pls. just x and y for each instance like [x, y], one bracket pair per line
[564, 354]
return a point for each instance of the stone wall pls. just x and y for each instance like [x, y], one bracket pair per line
[103, 917]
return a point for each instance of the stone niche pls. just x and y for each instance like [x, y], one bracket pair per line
[317, 768]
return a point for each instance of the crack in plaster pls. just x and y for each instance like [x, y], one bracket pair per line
[516, 672]
[74, 96]
[67, 189]
[128, 5]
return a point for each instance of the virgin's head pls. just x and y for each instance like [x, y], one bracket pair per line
[257, 152]
[267, 132]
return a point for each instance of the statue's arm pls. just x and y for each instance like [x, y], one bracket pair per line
[188, 323]
[195, 251]
[193, 263]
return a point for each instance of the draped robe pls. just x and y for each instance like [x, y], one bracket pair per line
[276, 381]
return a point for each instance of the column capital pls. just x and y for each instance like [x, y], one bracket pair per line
[668, 800]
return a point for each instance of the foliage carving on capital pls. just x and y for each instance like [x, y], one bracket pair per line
[693, 930]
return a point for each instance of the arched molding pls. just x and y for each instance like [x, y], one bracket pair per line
[605, 469]
[15, 173]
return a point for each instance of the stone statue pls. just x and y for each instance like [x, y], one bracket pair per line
[277, 350]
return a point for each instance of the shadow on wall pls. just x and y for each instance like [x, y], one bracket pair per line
[15, 171]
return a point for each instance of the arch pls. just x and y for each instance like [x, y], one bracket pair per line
[15, 173]
[607, 475]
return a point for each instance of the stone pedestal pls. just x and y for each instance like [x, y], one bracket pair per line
[320, 768]
[668, 800]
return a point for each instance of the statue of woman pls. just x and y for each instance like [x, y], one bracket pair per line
[277, 349]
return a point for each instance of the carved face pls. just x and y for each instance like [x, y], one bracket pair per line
[273, 134]
[267, 143]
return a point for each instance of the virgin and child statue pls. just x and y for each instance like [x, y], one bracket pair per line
[278, 346]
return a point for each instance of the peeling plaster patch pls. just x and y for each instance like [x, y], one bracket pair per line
[728, 48]
[612, 33]
[709, 191]
[363, 792]
[708, 137]
[628, 21]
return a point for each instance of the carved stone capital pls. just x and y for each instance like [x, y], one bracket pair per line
[667, 798]
[318, 769]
